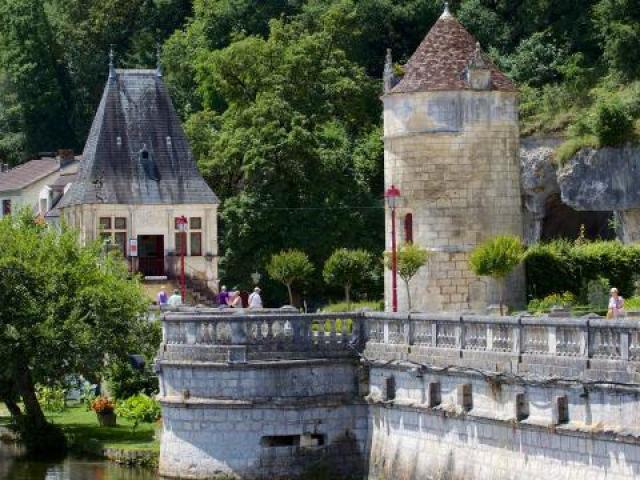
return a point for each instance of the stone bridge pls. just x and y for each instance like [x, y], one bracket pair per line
[387, 396]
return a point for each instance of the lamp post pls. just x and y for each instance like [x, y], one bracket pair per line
[181, 223]
[392, 197]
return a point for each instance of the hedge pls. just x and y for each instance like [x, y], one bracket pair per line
[562, 266]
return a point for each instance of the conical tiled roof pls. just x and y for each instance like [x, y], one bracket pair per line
[137, 152]
[441, 60]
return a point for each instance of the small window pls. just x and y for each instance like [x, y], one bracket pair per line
[560, 410]
[408, 228]
[179, 244]
[390, 388]
[105, 223]
[465, 396]
[195, 223]
[145, 155]
[6, 207]
[120, 223]
[121, 241]
[434, 396]
[196, 244]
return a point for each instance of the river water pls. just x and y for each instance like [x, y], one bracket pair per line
[12, 467]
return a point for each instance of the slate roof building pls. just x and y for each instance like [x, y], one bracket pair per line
[451, 136]
[38, 184]
[138, 175]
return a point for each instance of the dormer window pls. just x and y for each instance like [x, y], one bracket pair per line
[169, 142]
[478, 72]
[149, 166]
[119, 141]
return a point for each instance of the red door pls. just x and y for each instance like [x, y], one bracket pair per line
[151, 255]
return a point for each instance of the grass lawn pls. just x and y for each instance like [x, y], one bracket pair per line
[84, 432]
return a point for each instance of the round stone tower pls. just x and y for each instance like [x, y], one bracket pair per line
[451, 146]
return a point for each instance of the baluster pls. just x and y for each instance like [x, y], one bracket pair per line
[345, 331]
[269, 330]
[332, 331]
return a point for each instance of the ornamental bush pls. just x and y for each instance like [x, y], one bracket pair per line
[562, 266]
[138, 409]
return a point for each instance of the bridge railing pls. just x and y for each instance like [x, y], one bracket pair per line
[584, 337]
[278, 329]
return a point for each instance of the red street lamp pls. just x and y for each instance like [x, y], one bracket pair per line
[181, 224]
[392, 197]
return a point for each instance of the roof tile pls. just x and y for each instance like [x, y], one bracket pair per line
[441, 60]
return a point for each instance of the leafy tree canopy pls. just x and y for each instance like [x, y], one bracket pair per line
[290, 267]
[63, 308]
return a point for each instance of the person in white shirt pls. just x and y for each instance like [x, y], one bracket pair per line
[255, 301]
[616, 304]
[175, 300]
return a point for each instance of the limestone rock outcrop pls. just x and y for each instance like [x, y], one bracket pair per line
[602, 179]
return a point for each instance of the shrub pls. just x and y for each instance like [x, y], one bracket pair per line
[347, 268]
[565, 300]
[561, 266]
[102, 405]
[290, 267]
[598, 292]
[409, 259]
[52, 399]
[124, 381]
[612, 123]
[377, 306]
[138, 409]
[496, 258]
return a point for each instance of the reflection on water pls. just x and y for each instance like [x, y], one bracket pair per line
[14, 468]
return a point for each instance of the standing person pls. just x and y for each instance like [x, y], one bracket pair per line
[616, 304]
[175, 300]
[162, 297]
[223, 297]
[255, 300]
[235, 300]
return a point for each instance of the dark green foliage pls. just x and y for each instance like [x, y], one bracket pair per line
[125, 381]
[612, 123]
[564, 267]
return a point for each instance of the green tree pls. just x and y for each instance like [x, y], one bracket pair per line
[410, 259]
[496, 258]
[63, 308]
[347, 268]
[290, 267]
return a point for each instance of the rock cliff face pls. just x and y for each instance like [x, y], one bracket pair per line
[602, 179]
[538, 183]
[587, 191]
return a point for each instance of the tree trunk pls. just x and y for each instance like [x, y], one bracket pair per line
[290, 294]
[347, 295]
[27, 391]
[406, 283]
[14, 408]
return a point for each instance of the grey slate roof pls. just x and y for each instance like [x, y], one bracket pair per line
[136, 113]
[24, 175]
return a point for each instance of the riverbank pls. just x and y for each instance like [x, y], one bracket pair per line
[121, 444]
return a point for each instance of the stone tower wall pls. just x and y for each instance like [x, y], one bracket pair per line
[454, 157]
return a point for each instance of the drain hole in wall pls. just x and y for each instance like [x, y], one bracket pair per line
[280, 441]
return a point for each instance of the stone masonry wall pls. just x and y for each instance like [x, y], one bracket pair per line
[261, 420]
[412, 438]
[455, 158]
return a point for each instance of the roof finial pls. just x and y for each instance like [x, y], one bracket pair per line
[158, 63]
[388, 75]
[446, 13]
[112, 68]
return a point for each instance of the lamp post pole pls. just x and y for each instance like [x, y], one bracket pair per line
[182, 226]
[392, 196]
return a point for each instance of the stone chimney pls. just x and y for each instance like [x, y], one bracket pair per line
[65, 157]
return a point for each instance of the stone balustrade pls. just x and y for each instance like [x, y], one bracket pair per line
[259, 335]
[586, 337]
